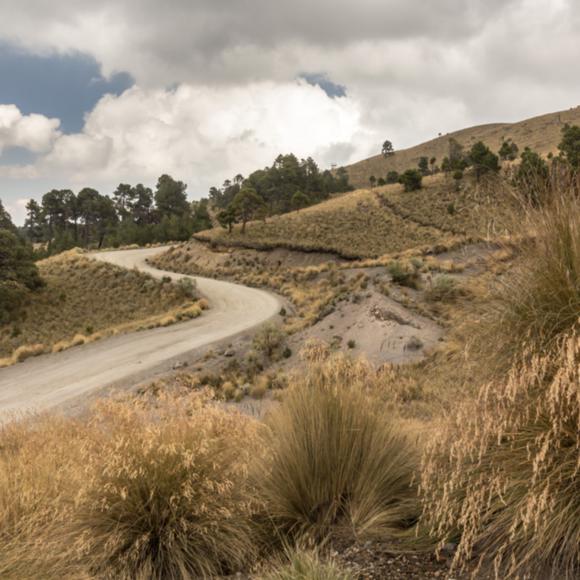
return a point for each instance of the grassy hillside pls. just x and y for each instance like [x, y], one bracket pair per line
[370, 223]
[543, 134]
[84, 300]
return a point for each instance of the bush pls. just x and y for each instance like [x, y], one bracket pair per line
[307, 565]
[336, 461]
[443, 289]
[270, 340]
[411, 180]
[141, 491]
[502, 479]
[404, 275]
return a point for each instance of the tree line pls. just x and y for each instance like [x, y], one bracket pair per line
[133, 215]
[289, 184]
[18, 272]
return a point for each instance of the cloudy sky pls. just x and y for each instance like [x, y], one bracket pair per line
[95, 93]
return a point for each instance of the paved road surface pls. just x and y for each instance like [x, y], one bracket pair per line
[50, 380]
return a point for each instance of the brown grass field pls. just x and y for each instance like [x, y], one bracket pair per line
[85, 300]
[385, 220]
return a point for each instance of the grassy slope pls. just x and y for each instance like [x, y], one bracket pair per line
[540, 133]
[89, 298]
[365, 223]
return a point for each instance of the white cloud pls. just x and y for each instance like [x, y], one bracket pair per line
[204, 135]
[36, 133]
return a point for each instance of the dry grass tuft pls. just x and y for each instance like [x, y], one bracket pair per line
[140, 490]
[336, 462]
[503, 477]
[538, 301]
[306, 564]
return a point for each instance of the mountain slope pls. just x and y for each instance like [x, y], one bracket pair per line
[543, 134]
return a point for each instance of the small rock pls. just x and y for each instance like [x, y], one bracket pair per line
[179, 365]
[414, 343]
[229, 353]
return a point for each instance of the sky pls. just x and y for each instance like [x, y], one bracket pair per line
[98, 93]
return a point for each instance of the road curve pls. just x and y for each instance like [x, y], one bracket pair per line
[53, 379]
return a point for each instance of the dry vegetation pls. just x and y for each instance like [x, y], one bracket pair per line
[354, 225]
[85, 300]
[542, 134]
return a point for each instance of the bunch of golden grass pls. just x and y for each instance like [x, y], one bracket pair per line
[539, 300]
[140, 490]
[336, 461]
[503, 478]
[307, 564]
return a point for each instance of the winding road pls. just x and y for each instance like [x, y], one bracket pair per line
[50, 380]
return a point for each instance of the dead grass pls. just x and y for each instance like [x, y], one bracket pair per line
[143, 489]
[353, 225]
[336, 462]
[502, 478]
[307, 564]
[85, 300]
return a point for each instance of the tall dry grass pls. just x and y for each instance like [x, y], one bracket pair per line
[539, 299]
[140, 490]
[336, 462]
[503, 479]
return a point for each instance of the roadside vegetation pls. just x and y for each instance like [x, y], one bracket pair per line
[84, 300]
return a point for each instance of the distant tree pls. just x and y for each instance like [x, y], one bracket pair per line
[387, 149]
[381, 181]
[423, 165]
[457, 177]
[246, 204]
[411, 180]
[227, 218]
[372, 180]
[300, 200]
[446, 165]
[201, 218]
[532, 176]
[508, 151]
[570, 145]
[456, 153]
[6, 220]
[34, 223]
[170, 197]
[18, 272]
[432, 162]
[392, 177]
[483, 159]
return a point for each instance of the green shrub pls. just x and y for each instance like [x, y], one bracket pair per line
[270, 340]
[404, 275]
[442, 289]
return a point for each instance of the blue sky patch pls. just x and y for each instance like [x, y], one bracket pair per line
[333, 90]
[63, 86]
